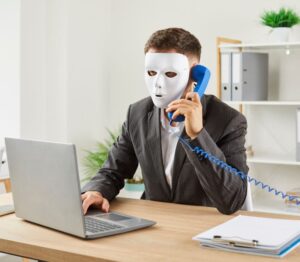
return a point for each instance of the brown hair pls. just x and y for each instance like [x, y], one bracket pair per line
[174, 38]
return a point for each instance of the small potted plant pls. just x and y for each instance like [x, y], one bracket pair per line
[281, 23]
[136, 183]
[95, 159]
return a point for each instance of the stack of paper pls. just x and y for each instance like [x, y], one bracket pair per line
[6, 209]
[254, 235]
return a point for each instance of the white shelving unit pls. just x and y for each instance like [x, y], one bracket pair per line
[274, 205]
[265, 103]
[273, 159]
[272, 125]
[259, 46]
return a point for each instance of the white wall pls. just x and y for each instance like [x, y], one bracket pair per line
[82, 60]
[133, 21]
[88, 58]
[43, 70]
[9, 68]
[9, 72]
[64, 54]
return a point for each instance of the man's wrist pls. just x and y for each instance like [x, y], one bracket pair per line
[194, 136]
[98, 193]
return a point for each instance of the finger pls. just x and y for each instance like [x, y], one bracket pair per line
[194, 96]
[175, 107]
[182, 102]
[176, 102]
[90, 200]
[105, 205]
[187, 104]
[83, 196]
[179, 111]
[86, 204]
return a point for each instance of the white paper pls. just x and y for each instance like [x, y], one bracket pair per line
[272, 233]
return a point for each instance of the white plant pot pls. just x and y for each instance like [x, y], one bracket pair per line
[280, 34]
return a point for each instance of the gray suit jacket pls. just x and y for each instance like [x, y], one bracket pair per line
[196, 181]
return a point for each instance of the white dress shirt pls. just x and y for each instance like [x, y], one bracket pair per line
[169, 140]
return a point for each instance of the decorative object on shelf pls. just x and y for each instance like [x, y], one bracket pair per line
[292, 204]
[135, 184]
[94, 160]
[249, 151]
[281, 23]
[1, 155]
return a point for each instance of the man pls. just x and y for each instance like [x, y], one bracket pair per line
[171, 171]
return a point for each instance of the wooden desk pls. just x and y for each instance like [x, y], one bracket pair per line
[169, 240]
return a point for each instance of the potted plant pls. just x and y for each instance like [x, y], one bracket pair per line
[281, 23]
[135, 184]
[95, 159]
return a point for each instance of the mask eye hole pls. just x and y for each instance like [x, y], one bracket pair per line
[151, 73]
[171, 74]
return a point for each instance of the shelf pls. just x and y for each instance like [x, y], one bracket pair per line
[273, 159]
[284, 167]
[264, 103]
[275, 206]
[256, 46]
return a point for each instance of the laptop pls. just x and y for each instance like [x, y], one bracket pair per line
[46, 191]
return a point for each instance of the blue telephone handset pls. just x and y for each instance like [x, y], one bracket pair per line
[201, 75]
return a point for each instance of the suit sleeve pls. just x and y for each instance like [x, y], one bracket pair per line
[121, 164]
[226, 191]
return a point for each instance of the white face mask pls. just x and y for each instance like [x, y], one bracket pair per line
[166, 76]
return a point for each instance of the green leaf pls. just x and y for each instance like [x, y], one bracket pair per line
[94, 160]
[285, 17]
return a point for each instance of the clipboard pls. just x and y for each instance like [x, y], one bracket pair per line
[235, 242]
[253, 235]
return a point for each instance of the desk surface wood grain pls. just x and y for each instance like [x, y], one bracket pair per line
[169, 240]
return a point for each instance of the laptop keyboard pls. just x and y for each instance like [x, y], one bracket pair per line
[94, 225]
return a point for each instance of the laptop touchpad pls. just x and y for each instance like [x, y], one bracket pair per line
[113, 217]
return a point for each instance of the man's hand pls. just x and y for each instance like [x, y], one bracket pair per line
[94, 198]
[191, 108]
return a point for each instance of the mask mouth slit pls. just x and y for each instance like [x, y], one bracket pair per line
[158, 95]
